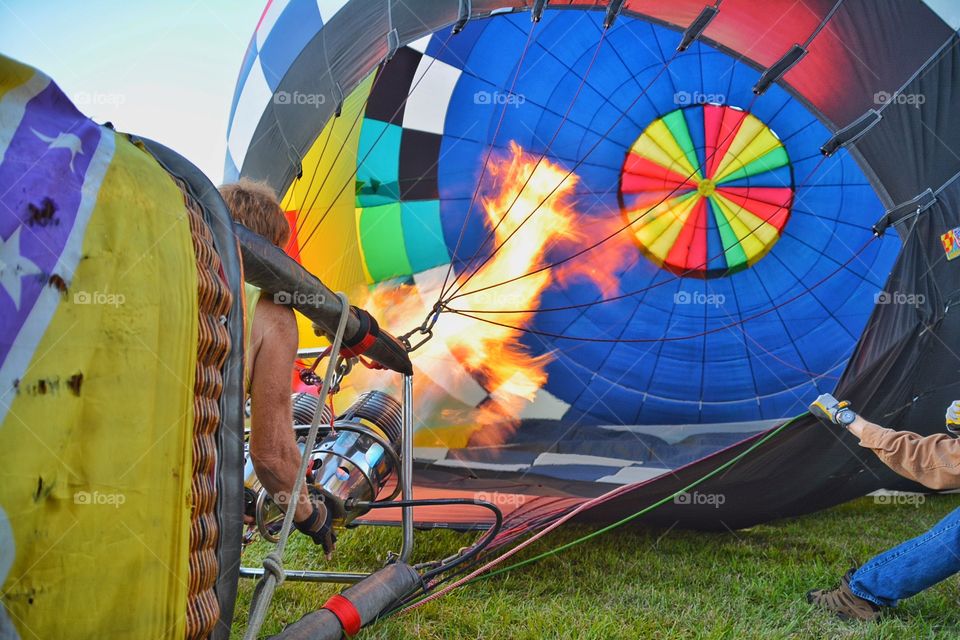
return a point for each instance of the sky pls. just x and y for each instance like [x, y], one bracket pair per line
[160, 69]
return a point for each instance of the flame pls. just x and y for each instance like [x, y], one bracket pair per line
[530, 207]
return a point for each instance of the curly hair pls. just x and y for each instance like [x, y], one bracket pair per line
[254, 205]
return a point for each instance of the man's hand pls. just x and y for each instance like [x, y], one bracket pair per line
[318, 525]
[828, 408]
[953, 418]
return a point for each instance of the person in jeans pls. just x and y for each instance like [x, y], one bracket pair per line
[910, 567]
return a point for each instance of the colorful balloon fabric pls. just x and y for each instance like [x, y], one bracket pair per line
[750, 267]
[717, 203]
[736, 234]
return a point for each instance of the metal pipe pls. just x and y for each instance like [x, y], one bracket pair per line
[308, 576]
[406, 468]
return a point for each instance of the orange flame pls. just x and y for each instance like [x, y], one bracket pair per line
[535, 202]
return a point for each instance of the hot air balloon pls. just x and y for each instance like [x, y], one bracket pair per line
[718, 192]
[627, 242]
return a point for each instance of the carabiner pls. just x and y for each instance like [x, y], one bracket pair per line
[426, 336]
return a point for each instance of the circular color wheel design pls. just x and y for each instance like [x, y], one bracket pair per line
[704, 190]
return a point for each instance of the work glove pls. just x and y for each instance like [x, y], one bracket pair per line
[953, 418]
[828, 408]
[319, 524]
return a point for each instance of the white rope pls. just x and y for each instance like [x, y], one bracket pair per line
[273, 573]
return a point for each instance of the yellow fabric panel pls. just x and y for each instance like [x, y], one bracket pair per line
[753, 140]
[658, 229]
[13, 75]
[755, 235]
[332, 252]
[251, 296]
[658, 144]
[357, 212]
[96, 481]
[439, 434]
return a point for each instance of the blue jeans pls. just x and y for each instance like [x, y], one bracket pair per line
[912, 566]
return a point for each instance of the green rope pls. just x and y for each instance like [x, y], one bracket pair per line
[645, 510]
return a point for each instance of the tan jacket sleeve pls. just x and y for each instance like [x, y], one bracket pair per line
[933, 461]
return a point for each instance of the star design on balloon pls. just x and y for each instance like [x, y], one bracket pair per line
[14, 266]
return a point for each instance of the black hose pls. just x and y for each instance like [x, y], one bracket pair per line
[478, 547]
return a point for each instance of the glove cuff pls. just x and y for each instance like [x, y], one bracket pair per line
[306, 526]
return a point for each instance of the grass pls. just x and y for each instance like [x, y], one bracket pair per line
[648, 583]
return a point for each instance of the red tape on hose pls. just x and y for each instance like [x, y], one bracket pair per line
[360, 348]
[346, 613]
[369, 330]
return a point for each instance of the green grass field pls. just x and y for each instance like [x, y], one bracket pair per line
[648, 583]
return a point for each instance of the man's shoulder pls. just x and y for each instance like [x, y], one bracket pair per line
[276, 319]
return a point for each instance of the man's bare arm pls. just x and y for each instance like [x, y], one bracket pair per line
[276, 457]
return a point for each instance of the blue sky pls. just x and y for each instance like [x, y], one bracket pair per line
[161, 69]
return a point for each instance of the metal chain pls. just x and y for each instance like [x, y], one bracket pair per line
[425, 329]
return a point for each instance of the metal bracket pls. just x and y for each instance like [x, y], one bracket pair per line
[909, 209]
[776, 71]
[536, 13]
[338, 96]
[851, 133]
[393, 44]
[695, 30]
[466, 8]
[613, 10]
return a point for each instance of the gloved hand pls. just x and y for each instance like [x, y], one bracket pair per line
[318, 525]
[828, 408]
[953, 418]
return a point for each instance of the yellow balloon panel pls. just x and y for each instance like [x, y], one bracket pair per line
[95, 447]
[323, 203]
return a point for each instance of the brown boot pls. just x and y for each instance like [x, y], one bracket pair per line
[843, 603]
